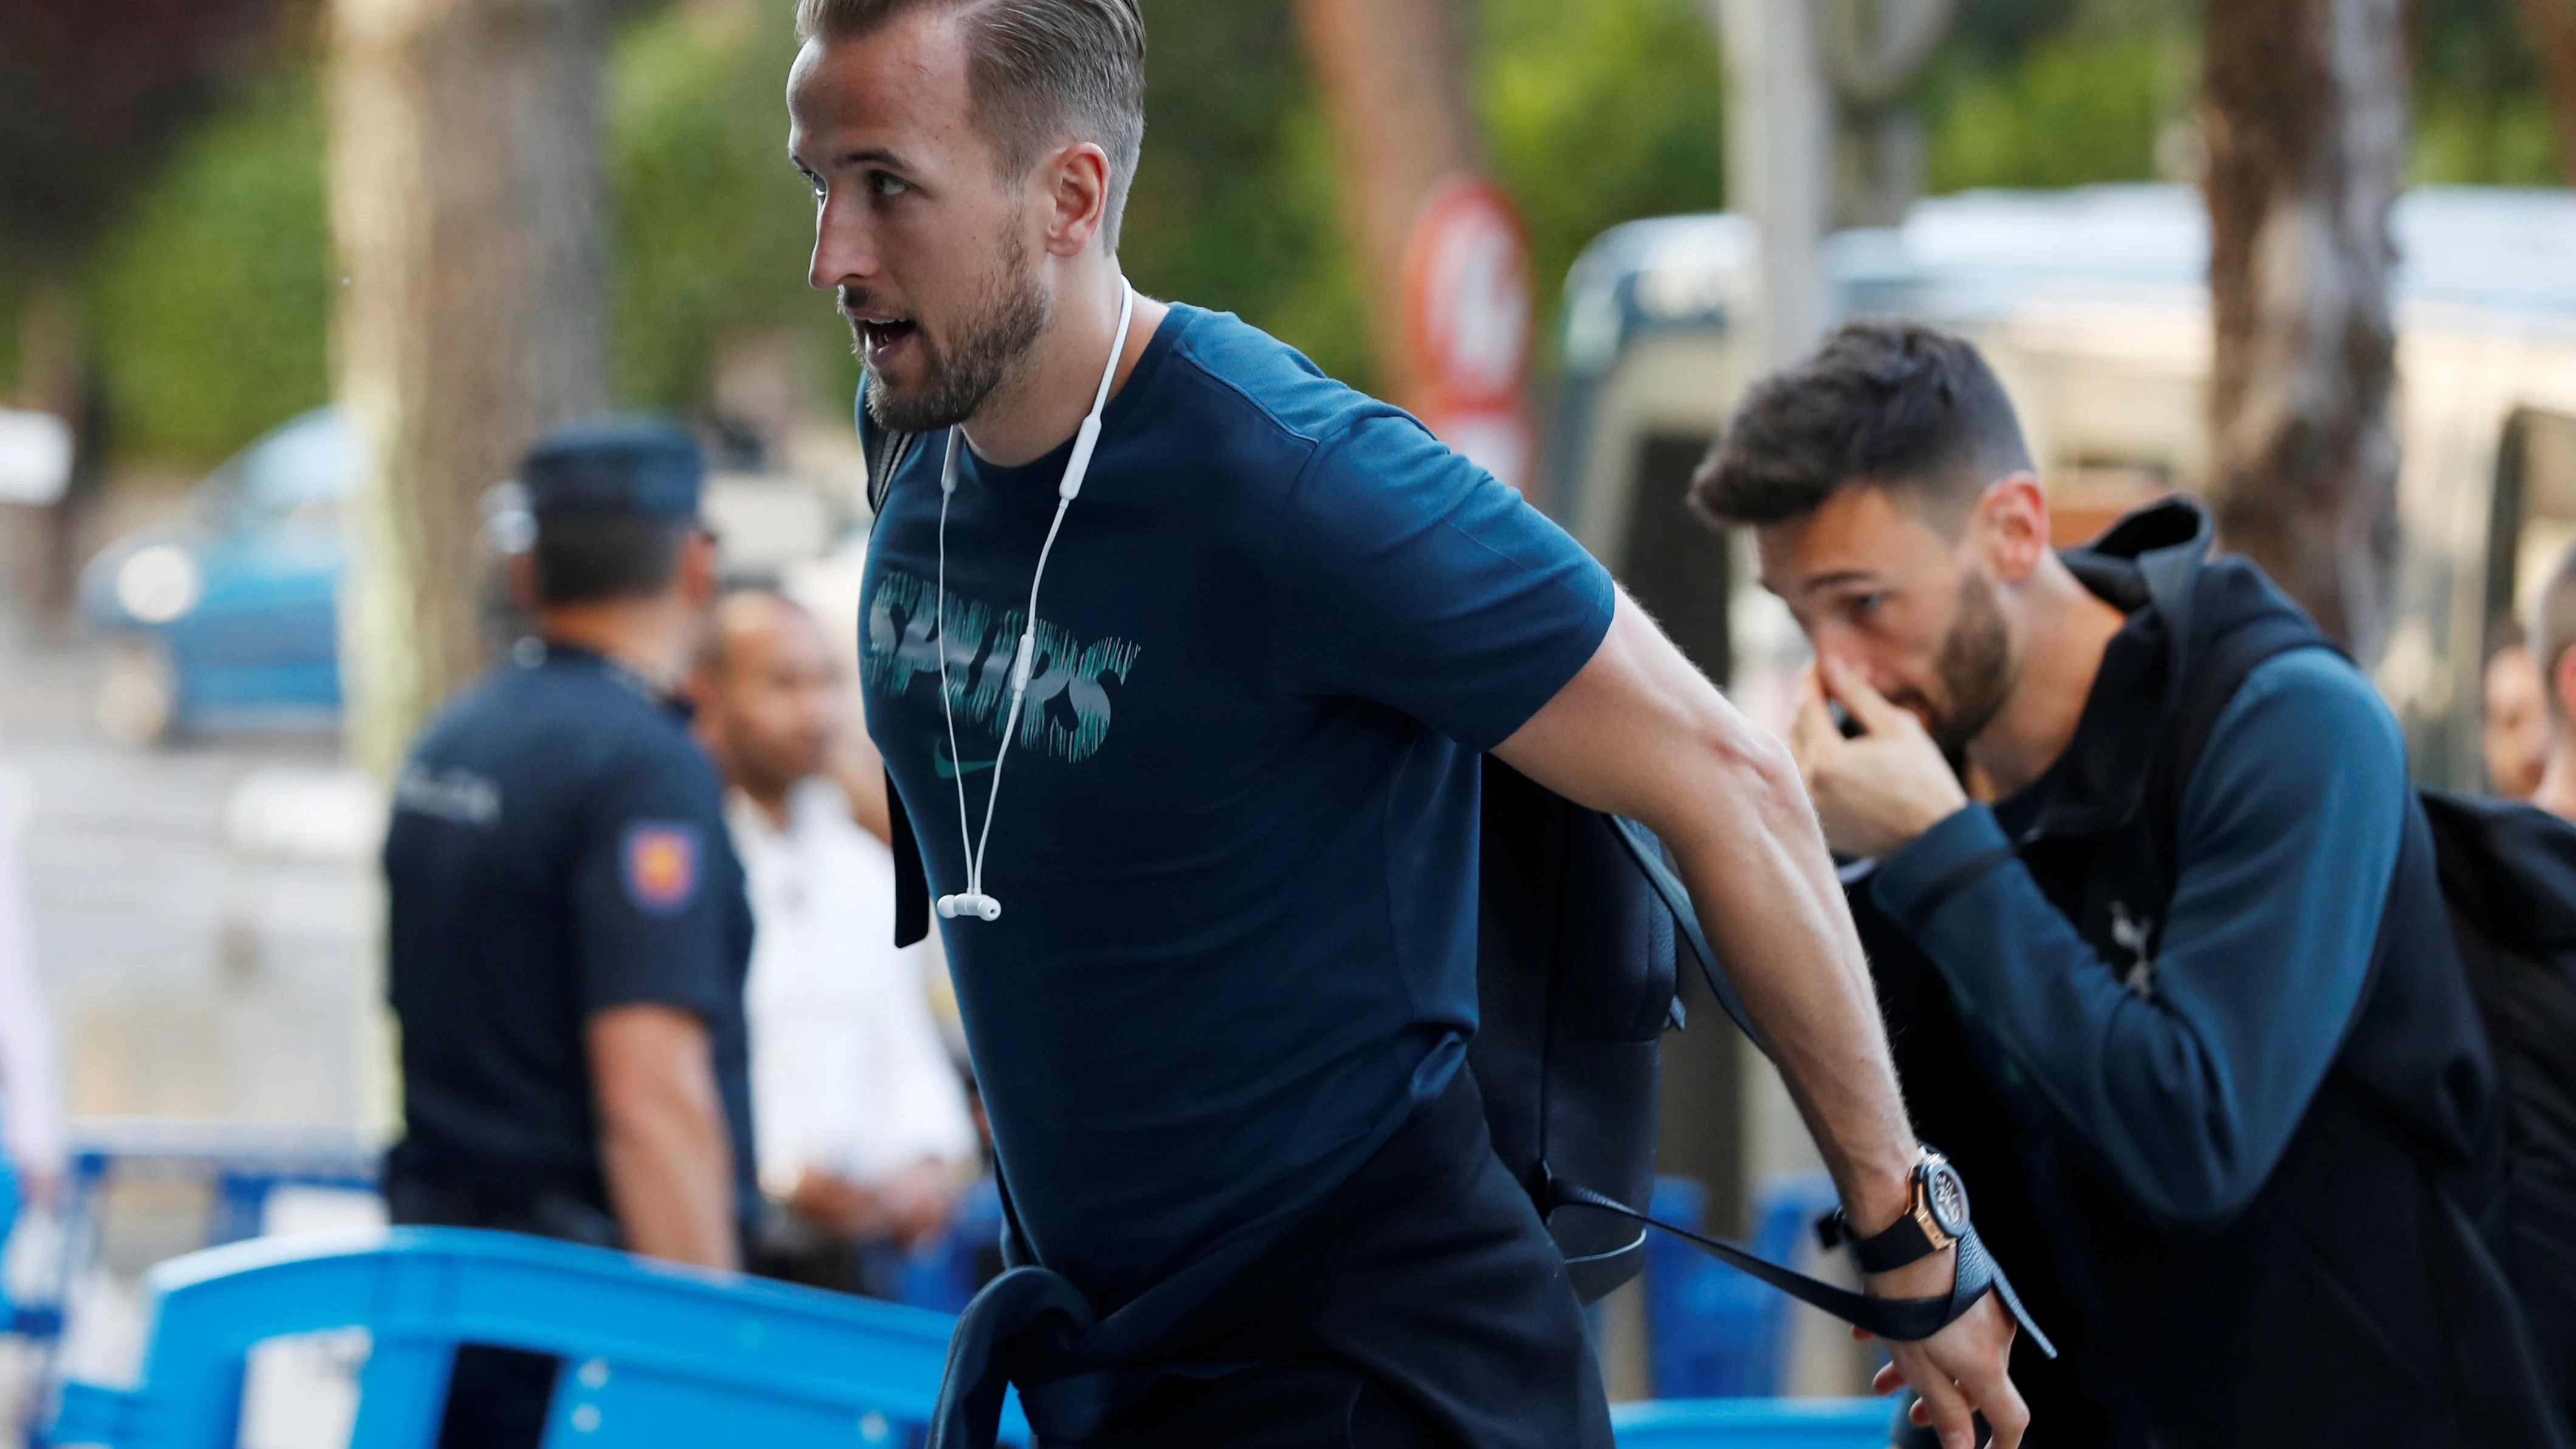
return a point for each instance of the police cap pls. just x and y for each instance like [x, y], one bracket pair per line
[632, 466]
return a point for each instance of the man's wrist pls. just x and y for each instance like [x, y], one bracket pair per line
[1934, 1216]
[1930, 1276]
[1932, 813]
[1880, 1198]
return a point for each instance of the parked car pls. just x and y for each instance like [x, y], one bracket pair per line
[228, 612]
[227, 615]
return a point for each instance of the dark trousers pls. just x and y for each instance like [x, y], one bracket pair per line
[497, 1398]
[1305, 1403]
[1424, 1306]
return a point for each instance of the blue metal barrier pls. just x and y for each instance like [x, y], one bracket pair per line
[656, 1355]
[241, 1163]
[1753, 1424]
[1717, 1333]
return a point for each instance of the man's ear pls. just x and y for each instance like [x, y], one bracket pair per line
[699, 579]
[1077, 180]
[2562, 687]
[2014, 515]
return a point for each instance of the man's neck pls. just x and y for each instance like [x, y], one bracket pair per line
[2061, 656]
[2557, 792]
[768, 797]
[1045, 401]
[651, 636]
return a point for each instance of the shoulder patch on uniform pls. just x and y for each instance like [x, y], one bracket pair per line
[661, 866]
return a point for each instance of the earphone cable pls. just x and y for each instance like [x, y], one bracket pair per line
[1024, 652]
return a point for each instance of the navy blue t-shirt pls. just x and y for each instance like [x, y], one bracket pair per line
[557, 848]
[1236, 840]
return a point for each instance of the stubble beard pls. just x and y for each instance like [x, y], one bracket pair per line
[986, 356]
[1976, 669]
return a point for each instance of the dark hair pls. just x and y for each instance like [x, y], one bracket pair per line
[1887, 402]
[715, 647]
[1039, 69]
[587, 558]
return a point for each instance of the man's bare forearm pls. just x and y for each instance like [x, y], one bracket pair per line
[666, 1184]
[663, 1147]
[1758, 872]
[1639, 732]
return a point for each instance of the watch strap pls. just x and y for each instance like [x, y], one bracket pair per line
[1884, 1252]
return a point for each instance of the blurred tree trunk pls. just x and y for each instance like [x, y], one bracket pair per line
[2307, 129]
[465, 200]
[1394, 77]
[2552, 26]
[1874, 51]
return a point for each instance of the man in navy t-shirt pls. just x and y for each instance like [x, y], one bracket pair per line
[1210, 864]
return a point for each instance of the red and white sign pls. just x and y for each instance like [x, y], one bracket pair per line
[1467, 323]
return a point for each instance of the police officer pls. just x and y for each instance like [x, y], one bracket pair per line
[568, 930]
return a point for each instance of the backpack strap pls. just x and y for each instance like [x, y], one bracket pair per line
[911, 880]
[1648, 852]
[1902, 1320]
[2239, 652]
[881, 452]
[1898, 1319]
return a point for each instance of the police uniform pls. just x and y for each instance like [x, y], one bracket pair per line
[557, 849]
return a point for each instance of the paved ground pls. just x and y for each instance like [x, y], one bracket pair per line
[203, 911]
[204, 919]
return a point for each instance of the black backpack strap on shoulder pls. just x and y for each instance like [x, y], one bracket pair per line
[911, 881]
[2238, 653]
[881, 452]
[1648, 852]
[1902, 1320]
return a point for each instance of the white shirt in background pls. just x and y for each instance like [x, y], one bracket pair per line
[31, 1086]
[848, 1072]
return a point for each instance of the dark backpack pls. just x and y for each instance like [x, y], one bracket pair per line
[1579, 939]
[2508, 876]
[1581, 925]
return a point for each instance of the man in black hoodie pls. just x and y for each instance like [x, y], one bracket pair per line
[2155, 916]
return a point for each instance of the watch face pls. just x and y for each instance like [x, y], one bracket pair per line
[1947, 1195]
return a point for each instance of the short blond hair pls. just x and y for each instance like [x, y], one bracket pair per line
[1039, 69]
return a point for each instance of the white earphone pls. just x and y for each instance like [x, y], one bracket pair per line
[973, 902]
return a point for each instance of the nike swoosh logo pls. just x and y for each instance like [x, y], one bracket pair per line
[950, 770]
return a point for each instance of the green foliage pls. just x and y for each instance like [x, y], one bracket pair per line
[210, 304]
[1599, 113]
[211, 300]
[2481, 113]
[713, 226]
[1233, 209]
[8, 332]
[1234, 205]
[2061, 92]
[2021, 96]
